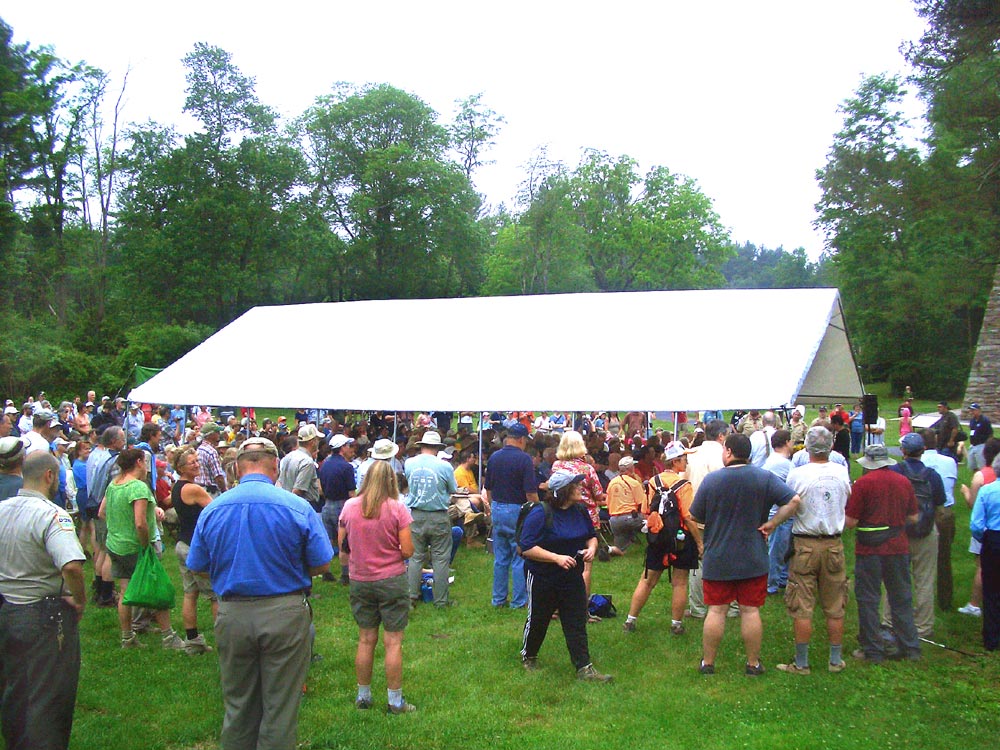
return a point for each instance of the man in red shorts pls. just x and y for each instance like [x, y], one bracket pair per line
[733, 504]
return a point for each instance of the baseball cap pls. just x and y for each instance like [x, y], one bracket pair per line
[517, 431]
[675, 449]
[210, 427]
[562, 479]
[256, 445]
[912, 443]
[974, 405]
[308, 432]
[625, 462]
[819, 440]
[339, 441]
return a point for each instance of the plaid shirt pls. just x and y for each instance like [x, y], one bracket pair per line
[209, 466]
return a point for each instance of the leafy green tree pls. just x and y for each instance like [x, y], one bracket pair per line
[382, 178]
[653, 232]
[473, 131]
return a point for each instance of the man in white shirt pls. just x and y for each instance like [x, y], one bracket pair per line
[760, 441]
[818, 570]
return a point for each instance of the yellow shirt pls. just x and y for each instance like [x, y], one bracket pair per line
[625, 495]
[465, 478]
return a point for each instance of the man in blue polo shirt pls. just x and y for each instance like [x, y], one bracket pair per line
[510, 481]
[261, 546]
[336, 477]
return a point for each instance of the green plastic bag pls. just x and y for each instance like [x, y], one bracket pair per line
[150, 586]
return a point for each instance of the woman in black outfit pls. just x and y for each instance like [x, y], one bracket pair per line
[557, 538]
[188, 499]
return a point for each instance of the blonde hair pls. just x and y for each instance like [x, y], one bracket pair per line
[179, 455]
[571, 446]
[379, 485]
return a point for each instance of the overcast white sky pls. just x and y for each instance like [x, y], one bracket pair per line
[741, 96]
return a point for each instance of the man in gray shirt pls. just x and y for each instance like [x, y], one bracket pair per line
[41, 580]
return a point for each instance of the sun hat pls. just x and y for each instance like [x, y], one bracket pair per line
[11, 447]
[675, 449]
[383, 449]
[876, 457]
[431, 439]
[625, 462]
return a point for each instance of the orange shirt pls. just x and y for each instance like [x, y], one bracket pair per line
[625, 495]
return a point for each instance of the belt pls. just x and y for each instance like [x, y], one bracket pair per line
[241, 598]
[816, 536]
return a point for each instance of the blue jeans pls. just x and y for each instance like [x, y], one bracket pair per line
[856, 439]
[777, 548]
[505, 557]
[457, 535]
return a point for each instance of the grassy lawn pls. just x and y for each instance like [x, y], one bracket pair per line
[461, 668]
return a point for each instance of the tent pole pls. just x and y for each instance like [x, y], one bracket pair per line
[395, 419]
[479, 468]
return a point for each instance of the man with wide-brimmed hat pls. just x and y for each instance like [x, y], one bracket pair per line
[882, 502]
[431, 484]
[12, 452]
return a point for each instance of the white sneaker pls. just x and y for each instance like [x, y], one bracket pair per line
[971, 609]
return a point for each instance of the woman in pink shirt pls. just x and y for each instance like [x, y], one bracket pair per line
[375, 527]
[905, 427]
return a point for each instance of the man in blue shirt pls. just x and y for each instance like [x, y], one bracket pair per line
[337, 478]
[985, 527]
[432, 483]
[261, 546]
[980, 430]
[510, 481]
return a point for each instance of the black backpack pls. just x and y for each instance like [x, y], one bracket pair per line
[526, 508]
[925, 502]
[667, 505]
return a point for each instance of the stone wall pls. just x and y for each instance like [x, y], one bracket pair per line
[984, 377]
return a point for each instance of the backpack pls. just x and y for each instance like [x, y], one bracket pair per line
[925, 503]
[526, 508]
[529, 506]
[671, 535]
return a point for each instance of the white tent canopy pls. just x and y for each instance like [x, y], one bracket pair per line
[655, 351]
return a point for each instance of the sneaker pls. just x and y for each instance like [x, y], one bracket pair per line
[589, 674]
[704, 668]
[144, 626]
[755, 671]
[363, 704]
[677, 628]
[402, 708]
[772, 590]
[330, 577]
[837, 667]
[794, 668]
[628, 627]
[132, 642]
[173, 642]
[196, 645]
[530, 663]
[603, 555]
[971, 609]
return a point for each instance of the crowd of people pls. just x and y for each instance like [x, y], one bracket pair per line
[734, 511]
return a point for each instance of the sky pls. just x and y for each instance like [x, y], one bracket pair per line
[742, 97]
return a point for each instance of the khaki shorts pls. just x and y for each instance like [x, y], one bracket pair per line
[818, 569]
[193, 582]
[385, 602]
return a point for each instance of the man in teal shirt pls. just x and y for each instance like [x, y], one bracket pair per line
[431, 483]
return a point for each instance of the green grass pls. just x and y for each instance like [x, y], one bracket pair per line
[461, 668]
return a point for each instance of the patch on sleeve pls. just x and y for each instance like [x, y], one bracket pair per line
[64, 522]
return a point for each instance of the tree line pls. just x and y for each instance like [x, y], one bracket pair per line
[911, 210]
[124, 242]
